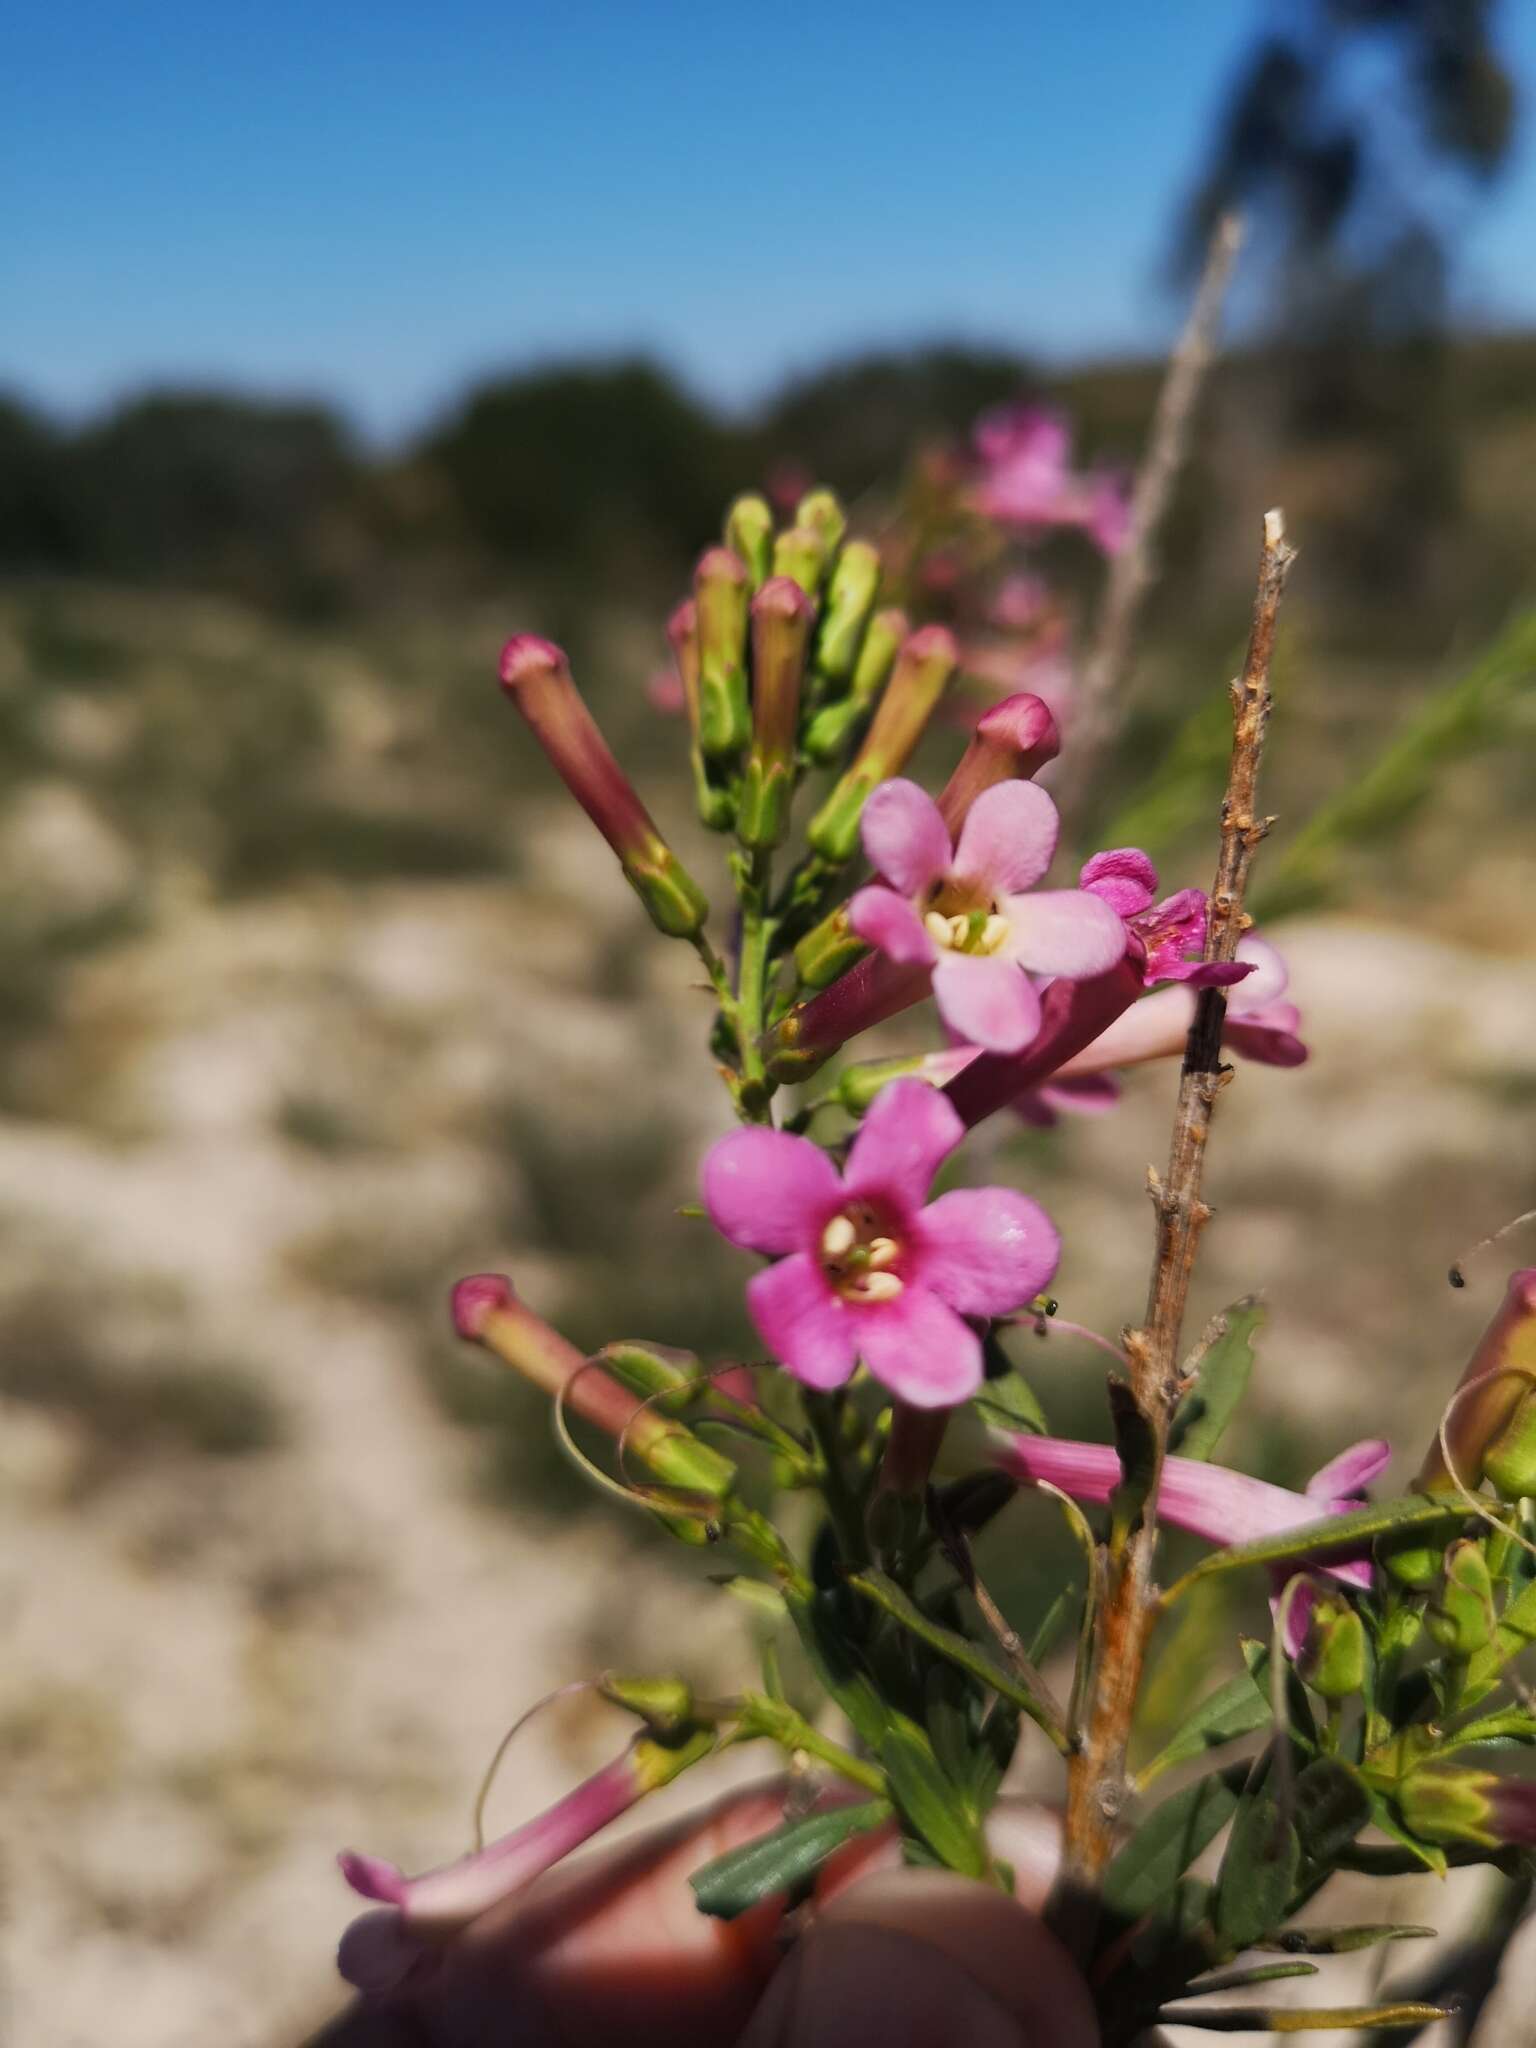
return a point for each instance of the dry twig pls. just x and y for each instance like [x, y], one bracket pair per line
[1134, 570]
[1097, 1783]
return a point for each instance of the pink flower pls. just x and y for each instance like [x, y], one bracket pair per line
[863, 1269]
[380, 1950]
[962, 912]
[1020, 603]
[1026, 480]
[1212, 1501]
[1258, 1025]
[1172, 932]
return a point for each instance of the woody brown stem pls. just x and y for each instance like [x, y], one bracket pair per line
[1134, 570]
[1097, 1784]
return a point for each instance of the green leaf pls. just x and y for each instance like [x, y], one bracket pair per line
[1332, 1805]
[834, 1665]
[1144, 1873]
[1511, 1726]
[1009, 1402]
[1261, 1973]
[780, 1862]
[1212, 1402]
[1342, 1941]
[1259, 1870]
[1298, 2019]
[1044, 1639]
[1238, 1708]
[959, 1649]
[929, 1800]
[1326, 1538]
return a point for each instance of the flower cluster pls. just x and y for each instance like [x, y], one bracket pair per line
[885, 1309]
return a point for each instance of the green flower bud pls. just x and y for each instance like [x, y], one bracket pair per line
[666, 1703]
[1461, 1618]
[749, 533]
[827, 950]
[801, 555]
[658, 1763]
[850, 599]
[858, 1086]
[721, 596]
[651, 1369]
[1443, 1804]
[823, 515]
[927, 660]
[1509, 1464]
[832, 726]
[1333, 1652]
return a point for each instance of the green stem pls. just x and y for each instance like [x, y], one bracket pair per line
[779, 1723]
[844, 1509]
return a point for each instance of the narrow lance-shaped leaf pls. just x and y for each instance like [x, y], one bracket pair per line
[1259, 1870]
[1238, 1708]
[1168, 1841]
[1327, 1538]
[782, 1861]
[1213, 1400]
[1298, 2019]
[1343, 1941]
[959, 1649]
[928, 1799]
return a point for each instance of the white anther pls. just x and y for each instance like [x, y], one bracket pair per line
[883, 1251]
[993, 933]
[937, 927]
[879, 1287]
[838, 1237]
[959, 930]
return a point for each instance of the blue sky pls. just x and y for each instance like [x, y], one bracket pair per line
[376, 203]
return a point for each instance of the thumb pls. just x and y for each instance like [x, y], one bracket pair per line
[923, 1959]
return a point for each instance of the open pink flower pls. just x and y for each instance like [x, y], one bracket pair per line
[1212, 1501]
[962, 911]
[1172, 933]
[418, 1916]
[1027, 480]
[863, 1269]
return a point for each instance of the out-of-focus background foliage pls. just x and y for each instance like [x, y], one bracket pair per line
[317, 993]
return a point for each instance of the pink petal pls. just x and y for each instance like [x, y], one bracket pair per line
[986, 1000]
[1270, 977]
[1270, 1043]
[1008, 838]
[1069, 932]
[891, 922]
[1347, 1475]
[1124, 876]
[908, 1133]
[768, 1191]
[905, 839]
[804, 1325]
[1151, 1029]
[1083, 1094]
[986, 1251]
[1089, 1472]
[920, 1349]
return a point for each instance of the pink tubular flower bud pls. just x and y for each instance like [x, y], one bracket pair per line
[487, 1311]
[1446, 1803]
[1014, 738]
[782, 616]
[1503, 1370]
[537, 677]
[421, 1915]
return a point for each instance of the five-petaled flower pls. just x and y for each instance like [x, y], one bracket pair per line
[963, 910]
[864, 1270]
[1172, 933]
